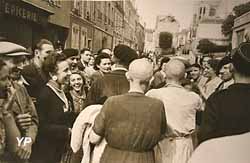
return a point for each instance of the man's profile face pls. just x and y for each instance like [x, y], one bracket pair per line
[195, 73]
[15, 66]
[226, 72]
[44, 51]
[85, 57]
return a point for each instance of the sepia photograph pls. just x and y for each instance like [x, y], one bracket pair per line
[124, 81]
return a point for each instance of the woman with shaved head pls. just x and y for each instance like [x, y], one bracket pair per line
[131, 123]
[180, 109]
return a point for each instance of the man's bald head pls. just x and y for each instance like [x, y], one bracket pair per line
[175, 70]
[141, 70]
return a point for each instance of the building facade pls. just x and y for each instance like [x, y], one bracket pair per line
[166, 23]
[149, 40]
[81, 25]
[118, 23]
[130, 15]
[241, 28]
[26, 21]
[140, 36]
[103, 24]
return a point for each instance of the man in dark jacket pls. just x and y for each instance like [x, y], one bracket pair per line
[33, 73]
[114, 83]
[227, 112]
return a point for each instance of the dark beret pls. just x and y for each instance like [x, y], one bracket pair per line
[125, 54]
[224, 61]
[12, 49]
[241, 58]
[70, 52]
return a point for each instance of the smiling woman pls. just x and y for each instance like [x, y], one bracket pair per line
[54, 111]
[77, 92]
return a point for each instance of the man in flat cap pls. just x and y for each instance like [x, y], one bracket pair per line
[22, 108]
[227, 111]
[132, 123]
[114, 83]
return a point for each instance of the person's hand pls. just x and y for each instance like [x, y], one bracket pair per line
[24, 120]
[24, 151]
[7, 103]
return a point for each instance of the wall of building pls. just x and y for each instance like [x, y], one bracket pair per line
[241, 26]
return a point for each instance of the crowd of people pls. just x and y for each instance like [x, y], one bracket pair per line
[117, 107]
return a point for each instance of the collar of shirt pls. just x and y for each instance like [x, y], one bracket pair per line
[22, 81]
[119, 68]
[53, 85]
[173, 85]
[137, 91]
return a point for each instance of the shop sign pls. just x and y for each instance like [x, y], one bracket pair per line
[13, 9]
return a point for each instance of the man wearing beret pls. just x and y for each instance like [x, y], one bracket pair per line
[114, 83]
[22, 108]
[73, 58]
[227, 111]
[33, 73]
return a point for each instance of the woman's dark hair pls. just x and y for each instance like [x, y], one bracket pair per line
[99, 58]
[50, 63]
[206, 56]
[194, 87]
[214, 64]
[164, 60]
[196, 65]
[101, 51]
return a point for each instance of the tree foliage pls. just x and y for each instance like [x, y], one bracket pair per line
[205, 46]
[241, 9]
[165, 40]
[227, 26]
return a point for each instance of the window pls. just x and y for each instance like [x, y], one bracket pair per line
[212, 12]
[200, 10]
[87, 10]
[109, 15]
[75, 36]
[89, 44]
[77, 8]
[58, 3]
[240, 36]
[83, 41]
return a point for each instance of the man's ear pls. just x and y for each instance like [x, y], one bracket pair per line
[36, 52]
[128, 76]
[232, 69]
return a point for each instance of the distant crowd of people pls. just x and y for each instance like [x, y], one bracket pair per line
[118, 107]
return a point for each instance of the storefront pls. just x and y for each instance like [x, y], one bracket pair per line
[24, 24]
